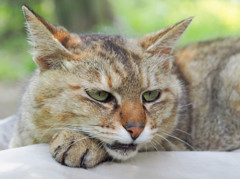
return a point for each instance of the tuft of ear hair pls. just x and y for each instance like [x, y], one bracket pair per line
[163, 41]
[48, 41]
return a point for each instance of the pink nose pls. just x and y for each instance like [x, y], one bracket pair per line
[134, 129]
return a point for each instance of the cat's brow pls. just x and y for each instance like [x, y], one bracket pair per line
[112, 47]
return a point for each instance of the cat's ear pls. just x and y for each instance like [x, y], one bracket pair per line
[163, 41]
[48, 41]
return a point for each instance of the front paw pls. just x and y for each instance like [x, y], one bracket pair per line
[75, 149]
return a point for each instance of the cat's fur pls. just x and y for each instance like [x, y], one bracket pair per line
[199, 105]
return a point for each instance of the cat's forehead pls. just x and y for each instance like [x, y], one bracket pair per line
[110, 45]
[91, 38]
[112, 60]
[112, 50]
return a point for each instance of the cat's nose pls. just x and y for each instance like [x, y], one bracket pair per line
[134, 129]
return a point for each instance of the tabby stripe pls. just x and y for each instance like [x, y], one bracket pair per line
[83, 159]
[56, 151]
[65, 153]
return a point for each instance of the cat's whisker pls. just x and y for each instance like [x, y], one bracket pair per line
[165, 139]
[63, 128]
[186, 105]
[183, 132]
[100, 145]
[159, 143]
[153, 144]
[176, 129]
[90, 133]
[172, 136]
[112, 132]
[60, 123]
[44, 132]
[85, 131]
[68, 128]
[88, 125]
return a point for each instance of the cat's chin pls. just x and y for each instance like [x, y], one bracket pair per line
[122, 151]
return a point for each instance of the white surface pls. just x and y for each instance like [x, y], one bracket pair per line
[6, 131]
[35, 161]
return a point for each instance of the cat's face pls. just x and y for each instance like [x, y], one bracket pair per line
[120, 91]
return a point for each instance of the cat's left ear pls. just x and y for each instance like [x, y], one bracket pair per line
[49, 42]
[163, 41]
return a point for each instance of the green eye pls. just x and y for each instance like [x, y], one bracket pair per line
[101, 96]
[150, 96]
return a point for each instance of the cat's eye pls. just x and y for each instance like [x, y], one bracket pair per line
[150, 96]
[101, 96]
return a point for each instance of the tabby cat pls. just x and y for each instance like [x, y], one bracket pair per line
[97, 97]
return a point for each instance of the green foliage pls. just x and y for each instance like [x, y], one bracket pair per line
[212, 19]
[15, 61]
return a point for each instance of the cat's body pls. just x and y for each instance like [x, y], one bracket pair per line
[212, 70]
[101, 95]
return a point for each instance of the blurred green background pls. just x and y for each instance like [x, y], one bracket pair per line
[212, 19]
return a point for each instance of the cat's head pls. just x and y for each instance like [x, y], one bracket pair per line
[120, 91]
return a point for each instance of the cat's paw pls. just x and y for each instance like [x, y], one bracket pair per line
[75, 149]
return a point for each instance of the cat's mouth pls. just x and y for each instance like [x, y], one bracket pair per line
[124, 147]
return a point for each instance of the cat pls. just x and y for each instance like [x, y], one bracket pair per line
[98, 97]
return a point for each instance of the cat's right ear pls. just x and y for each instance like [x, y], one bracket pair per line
[48, 42]
[163, 41]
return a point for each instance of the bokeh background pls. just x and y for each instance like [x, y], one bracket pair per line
[212, 19]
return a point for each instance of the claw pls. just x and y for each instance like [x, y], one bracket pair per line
[83, 160]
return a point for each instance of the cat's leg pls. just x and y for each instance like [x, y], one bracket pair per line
[74, 149]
